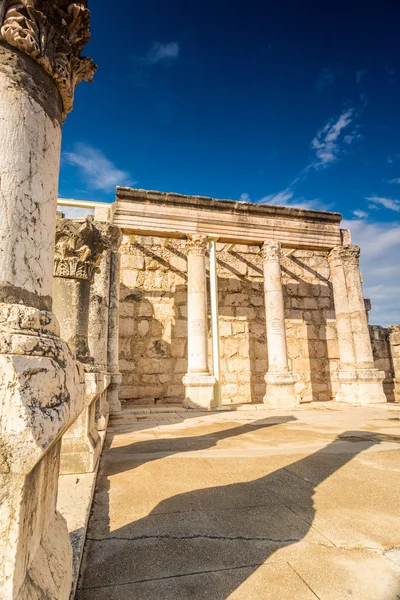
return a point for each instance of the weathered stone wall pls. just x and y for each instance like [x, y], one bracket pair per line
[386, 349]
[394, 341]
[153, 322]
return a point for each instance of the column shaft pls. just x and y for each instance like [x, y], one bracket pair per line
[198, 381]
[41, 387]
[113, 334]
[359, 381]
[280, 381]
[30, 142]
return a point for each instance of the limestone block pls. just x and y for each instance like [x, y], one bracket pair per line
[145, 309]
[81, 444]
[131, 262]
[310, 303]
[225, 328]
[178, 263]
[129, 278]
[239, 327]
[126, 327]
[236, 299]
[178, 348]
[181, 328]
[143, 327]
[233, 285]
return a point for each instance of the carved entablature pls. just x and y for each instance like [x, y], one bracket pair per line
[344, 256]
[271, 251]
[54, 34]
[79, 245]
[197, 244]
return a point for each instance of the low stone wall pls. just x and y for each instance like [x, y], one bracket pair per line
[380, 339]
[153, 322]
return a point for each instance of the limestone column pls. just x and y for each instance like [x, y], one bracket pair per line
[359, 381]
[198, 381]
[78, 253]
[100, 316]
[279, 379]
[113, 333]
[41, 387]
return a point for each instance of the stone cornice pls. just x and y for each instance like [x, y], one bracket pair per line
[171, 215]
[79, 245]
[53, 33]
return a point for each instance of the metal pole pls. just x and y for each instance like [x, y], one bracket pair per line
[215, 320]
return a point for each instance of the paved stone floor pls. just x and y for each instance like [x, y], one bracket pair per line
[247, 505]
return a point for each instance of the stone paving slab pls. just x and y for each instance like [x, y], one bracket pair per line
[248, 505]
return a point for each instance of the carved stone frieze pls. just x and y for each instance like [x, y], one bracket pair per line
[54, 35]
[197, 244]
[271, 251]
[79, 245]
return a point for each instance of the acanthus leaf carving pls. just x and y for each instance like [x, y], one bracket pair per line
[79, 245]
[271, 251]
[54, 35]
[197, 243]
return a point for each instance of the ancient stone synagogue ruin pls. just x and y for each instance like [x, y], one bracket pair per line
[156, 299]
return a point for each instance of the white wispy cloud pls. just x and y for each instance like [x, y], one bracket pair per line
[361, 214]
[396, 180]
[388, 203]
[326, 77]
[360, 74]
[327, 144]
[95, 169]
[380, 266]
[163, 53]
[71, 212]
[245, 198]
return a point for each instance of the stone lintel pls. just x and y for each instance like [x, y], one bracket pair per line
[144, 212]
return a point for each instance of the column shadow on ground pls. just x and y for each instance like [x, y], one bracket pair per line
[206, 543]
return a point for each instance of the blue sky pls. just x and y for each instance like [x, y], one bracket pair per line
[285, 103]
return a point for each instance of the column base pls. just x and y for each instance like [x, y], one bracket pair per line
[281, 390]
[361, 387]
[113, 393]
[199, 391]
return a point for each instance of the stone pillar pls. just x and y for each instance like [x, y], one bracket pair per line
[198, 381]
[359, 381]
[79, 248]
[41, 387]
[100, 315]
[113, 333]
[279, 379]
[394, 340]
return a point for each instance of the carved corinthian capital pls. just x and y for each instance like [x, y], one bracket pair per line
[53, 33]
[79, 245]
[271, 251]
[344, 256]
[197, 244]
